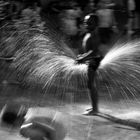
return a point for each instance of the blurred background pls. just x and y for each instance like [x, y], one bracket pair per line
[119, 19]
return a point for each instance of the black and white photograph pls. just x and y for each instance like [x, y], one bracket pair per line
[69, 69]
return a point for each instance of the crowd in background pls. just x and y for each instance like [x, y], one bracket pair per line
[84, 24]
[96, 23]
[105, 20]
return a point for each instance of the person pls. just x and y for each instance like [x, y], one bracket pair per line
[93, 64]
[131, 21]
[37, 131]
[90, 44]
[106, 21]
[12, 114]
[121, 15]
[32, 126]
[70, 19]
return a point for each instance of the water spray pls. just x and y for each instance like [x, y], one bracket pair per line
[120, 69]
[47, 60]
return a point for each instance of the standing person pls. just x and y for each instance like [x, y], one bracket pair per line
[93, 64]
[89, 8]
[90, 45]
[137, 11]
[131, 22]
[106, 21]
[121, 16]
[70, 21]
[136, 25]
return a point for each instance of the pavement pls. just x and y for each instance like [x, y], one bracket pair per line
[118, 120]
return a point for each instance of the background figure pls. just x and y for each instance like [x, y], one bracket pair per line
[89, 8]
[12, 115]
[106, 21]
[137, 11]
[68, 15]
[131, 22]
[121, 15]
[136, 25]
[31, 124]
[69, 19]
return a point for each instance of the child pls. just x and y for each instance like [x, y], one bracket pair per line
[94, 62]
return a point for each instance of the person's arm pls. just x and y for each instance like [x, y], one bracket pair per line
[84, 57]
[47, 128]
[37, 129]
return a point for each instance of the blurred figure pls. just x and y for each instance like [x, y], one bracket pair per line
[121, 16]
[12, 115]
[106, 21]
[15, 9]
[32, 126]
[131, 22]
[63, 17]
[38, 131]
[90, 8]
[48, 124]
[136, 26]
[27, 16]
[69, 18]
[137, 11]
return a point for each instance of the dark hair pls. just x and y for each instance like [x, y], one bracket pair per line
[13, 114]
[9, 117]
[92, 22]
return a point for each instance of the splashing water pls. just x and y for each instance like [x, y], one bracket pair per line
[120, 70]
[50, 62]
[45, 59]
[123, 53]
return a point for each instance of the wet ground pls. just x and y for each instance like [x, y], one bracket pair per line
[119, 118]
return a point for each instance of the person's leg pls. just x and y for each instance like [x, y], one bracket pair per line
[92, 92]
[94, 98]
